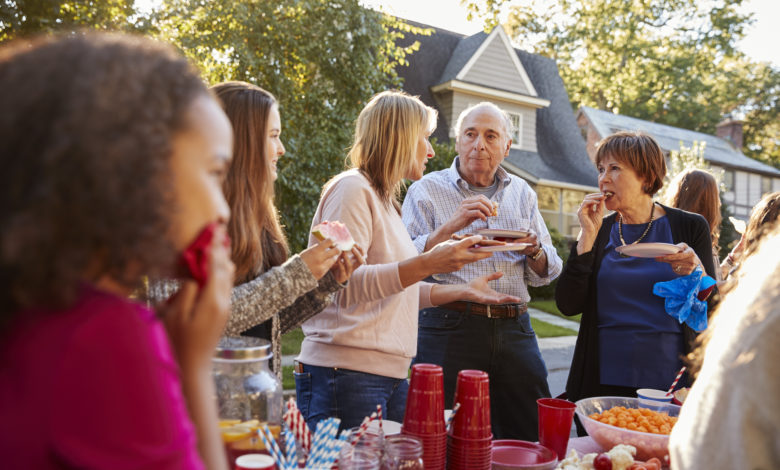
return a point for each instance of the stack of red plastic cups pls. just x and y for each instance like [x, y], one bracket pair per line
[424, 416]
[469, 443]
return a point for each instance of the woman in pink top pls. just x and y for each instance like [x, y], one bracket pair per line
[357, 352]
[113, 158]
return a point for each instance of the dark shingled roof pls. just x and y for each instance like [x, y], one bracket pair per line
[716, 150]
[561, 149]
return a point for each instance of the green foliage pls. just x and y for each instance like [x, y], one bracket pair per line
[323, 59]
[22, 18]
[668, 61]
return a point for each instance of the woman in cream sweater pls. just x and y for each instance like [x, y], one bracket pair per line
[357, 352]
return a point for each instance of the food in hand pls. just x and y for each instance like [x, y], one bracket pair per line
[495, 209]
[337, 232]
[637, 419]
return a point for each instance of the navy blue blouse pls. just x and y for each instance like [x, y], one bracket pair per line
[640, 344]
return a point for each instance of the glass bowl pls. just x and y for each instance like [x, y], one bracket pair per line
[648, 445]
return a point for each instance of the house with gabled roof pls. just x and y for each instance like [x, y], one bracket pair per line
[745, 180]
[451, 71]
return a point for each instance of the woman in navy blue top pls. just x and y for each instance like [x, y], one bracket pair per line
[627, 340]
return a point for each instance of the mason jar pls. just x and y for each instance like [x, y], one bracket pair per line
[248, 394]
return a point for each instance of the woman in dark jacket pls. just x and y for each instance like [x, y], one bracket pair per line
[627, 340]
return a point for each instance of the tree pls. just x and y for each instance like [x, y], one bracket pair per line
[322, 59]
[668, 61]
[25, 17]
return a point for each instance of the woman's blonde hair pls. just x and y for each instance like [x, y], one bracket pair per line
[257, 239]
[386, 135]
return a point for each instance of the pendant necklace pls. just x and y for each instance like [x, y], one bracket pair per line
[644, 234]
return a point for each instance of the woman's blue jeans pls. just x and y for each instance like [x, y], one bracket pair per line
[349, 395]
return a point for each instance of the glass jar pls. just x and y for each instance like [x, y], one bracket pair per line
[403, 452]
[248, 394]
[366, 454]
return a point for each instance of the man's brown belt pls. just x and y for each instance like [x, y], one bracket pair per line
[490, 311]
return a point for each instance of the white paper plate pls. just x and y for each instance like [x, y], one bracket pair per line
[648, 250]
[507, 247]
[494, 232]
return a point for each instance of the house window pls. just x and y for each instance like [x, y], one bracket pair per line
[728, 180]
[766, 184]
[517, 124]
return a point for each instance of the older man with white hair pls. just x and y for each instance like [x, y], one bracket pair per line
[476, 193]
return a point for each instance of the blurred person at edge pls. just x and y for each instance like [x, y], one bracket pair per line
[761, 219]
[627, 340]
[114, 154]
[357, 352]
[273, 294]
[697, 191]
[458, 335]
[731, 417]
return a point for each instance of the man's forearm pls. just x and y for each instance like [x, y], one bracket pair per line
[539, 266]
[437, 236]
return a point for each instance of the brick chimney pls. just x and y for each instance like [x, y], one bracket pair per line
[731, 130]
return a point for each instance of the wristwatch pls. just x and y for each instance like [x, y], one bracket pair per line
[538, 254]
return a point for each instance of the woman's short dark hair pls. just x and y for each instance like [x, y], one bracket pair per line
[639, 151]
[86, 128]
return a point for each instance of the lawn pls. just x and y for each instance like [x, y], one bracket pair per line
[291, 342]
[550, 307]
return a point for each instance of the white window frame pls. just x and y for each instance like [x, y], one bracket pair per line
[517, 143]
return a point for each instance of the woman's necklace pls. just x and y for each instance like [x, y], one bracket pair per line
[644, 234]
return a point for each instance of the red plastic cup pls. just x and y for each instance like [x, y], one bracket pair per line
[555, 418]
[255, 462]
[472, 391]
[425, 400]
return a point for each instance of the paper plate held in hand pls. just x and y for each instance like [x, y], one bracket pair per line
[648, 250]
[506, 247]
[499, 233]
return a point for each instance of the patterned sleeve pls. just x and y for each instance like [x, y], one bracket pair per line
[310, 304]
[259, 299]
[418, 215]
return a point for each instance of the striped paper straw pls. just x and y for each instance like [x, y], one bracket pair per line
[292, 455]
[272, 449]
[452, 416]
[275, 446]
[320, 443]
[332, 454]
[363, 428]
[379, 417]
[676, 379]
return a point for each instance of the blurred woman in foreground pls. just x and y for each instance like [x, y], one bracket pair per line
[114, 154]
[731, 417]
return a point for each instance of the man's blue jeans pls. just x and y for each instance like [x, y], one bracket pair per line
[504, 348]
[349, 395]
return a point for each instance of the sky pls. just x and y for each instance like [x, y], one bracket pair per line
[761, 43]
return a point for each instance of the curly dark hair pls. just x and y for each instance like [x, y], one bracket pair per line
[86, 127]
